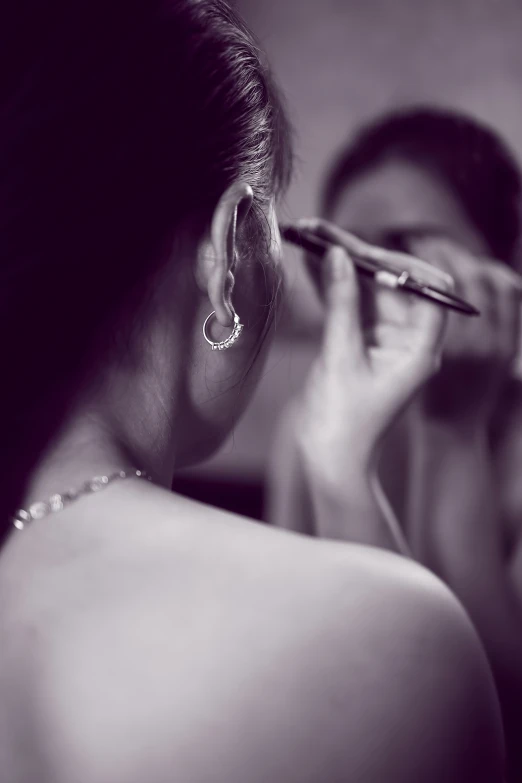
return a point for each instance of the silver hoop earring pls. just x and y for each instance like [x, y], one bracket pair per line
[230, 340]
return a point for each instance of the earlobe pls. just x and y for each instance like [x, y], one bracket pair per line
[222, 345]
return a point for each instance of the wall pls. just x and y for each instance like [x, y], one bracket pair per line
[340, 61]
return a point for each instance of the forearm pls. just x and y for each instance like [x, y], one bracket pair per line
[287, 503]
[456, 531]
[353, 509]
[305, 496]
[453, 506]
[455, 518]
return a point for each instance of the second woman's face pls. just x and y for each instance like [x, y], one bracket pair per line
[398, 196]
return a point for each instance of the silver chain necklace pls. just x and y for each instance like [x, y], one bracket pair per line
[57, 502]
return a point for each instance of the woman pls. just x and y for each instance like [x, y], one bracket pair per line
[444, 187]
[146, 636]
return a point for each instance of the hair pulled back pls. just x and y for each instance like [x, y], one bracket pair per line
[120, 125]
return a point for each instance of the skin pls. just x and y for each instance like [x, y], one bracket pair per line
[454, 494]
[399, 195]
[149, 637]
[402, 195]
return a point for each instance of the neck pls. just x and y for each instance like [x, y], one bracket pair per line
[125, 423]
[127, 420]
[88, 447]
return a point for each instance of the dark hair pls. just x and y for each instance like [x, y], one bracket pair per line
[469, 157]
[121, 124]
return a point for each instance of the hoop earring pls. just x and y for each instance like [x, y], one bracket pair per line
[230, 340]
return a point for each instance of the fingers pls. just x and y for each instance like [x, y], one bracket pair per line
[422, 323]
[390, 259]
[316, 273]
[489, 285]
[408, 325]
[436, 253]
[343, 339]
[461, 263]
[428, 324]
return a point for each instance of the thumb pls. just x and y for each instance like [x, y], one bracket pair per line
[343, 339]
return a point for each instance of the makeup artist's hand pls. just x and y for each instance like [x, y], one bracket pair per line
[363, 378]
[478, 352]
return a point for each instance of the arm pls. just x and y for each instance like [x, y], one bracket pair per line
[456, 531]
[300, 499]
[289, 504]
[457, 518]
[507, 462]
[326, 455]
[357, 511]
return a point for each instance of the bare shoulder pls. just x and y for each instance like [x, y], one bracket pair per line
[382, 657]
[413, 662]
[243, 653]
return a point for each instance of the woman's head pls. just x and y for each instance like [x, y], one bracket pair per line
[141, 148]
[428, 168]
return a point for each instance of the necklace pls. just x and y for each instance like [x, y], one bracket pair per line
[57, 502]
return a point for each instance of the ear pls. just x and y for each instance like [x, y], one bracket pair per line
[216, 264]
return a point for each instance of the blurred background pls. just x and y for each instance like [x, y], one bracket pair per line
[341, 63]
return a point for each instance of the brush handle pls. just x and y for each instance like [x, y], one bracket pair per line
[374, 262]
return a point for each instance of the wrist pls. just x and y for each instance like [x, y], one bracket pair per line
[340, 473]
[349, 510]
[348, 502]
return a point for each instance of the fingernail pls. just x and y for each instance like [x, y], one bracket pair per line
[305, 222]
